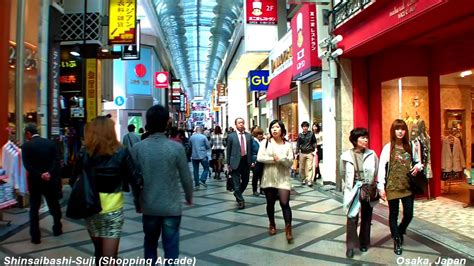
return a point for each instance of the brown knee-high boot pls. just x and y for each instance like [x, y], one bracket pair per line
[289, 235]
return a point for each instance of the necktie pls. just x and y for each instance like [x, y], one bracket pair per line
[242, 145]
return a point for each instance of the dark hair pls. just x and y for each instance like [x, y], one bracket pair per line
[173, 132]
[400, 124]
[305, 124]
[257, 131]
[141, 130]
[318, 127]
[282, 126]
[131, 128]
[235, 122]
[31, 127]
[356, 133]
[157, 118]
[217, 130]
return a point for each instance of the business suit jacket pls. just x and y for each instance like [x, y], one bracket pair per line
[40, 155]
[233, 149]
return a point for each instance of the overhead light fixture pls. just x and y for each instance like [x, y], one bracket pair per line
[198, 98]
[75, 51]
[465, 73]
[104, 50]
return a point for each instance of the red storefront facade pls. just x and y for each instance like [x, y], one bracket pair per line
[412, 42]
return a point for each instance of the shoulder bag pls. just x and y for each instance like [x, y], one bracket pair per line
[84, 200]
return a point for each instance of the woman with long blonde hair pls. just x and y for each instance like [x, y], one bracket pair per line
[111, 171]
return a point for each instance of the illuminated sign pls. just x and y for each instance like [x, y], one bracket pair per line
[122, 21]
[91, 88]
[262, 11]
[69, 64]
[132, 51]
[258, 80]
[161, 79]
[68, 79]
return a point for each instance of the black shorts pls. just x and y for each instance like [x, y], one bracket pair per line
[217, 154]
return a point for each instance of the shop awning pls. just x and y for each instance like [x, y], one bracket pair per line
[280, 85]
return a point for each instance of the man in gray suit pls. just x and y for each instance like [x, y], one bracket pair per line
[239, 158]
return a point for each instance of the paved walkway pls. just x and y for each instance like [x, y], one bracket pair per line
[214, 232]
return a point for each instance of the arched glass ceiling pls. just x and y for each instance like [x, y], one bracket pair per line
[197, 33]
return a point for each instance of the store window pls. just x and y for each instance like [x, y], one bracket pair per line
[30, 65]
[316, 102]
[457, 99]
[405, 98]
[289, 114]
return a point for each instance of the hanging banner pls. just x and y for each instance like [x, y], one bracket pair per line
[91, 88]
[261, 11]
[122, 21]
[305, 42]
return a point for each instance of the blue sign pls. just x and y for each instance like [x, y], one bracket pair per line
[139, 78]
[258, 80]
[119, 101]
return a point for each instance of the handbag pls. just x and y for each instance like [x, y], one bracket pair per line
[84, 200]
[417, 182]
[368, 192]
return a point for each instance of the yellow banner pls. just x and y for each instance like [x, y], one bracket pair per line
[122, 21]
[91, 88]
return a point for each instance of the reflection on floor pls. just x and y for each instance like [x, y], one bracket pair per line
[216, 233]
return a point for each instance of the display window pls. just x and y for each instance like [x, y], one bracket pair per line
[457, 99]
[405, 98]
[289, 117]
[316, 102]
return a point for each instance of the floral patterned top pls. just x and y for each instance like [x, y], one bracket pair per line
[397, 181]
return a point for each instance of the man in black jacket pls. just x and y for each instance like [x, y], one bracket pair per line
[41, 160]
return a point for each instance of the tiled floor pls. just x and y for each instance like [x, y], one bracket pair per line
[216, 233]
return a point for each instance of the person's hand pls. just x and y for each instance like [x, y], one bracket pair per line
[383, 196]
[276, 158]
[414, 170]
[252, 165]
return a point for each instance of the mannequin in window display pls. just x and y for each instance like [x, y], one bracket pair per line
[420, 137]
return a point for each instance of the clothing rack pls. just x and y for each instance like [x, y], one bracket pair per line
[9, 177]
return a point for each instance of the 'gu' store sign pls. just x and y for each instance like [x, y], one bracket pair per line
[261, 12]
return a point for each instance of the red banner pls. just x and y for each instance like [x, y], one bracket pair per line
[305, 40]
[262, 11]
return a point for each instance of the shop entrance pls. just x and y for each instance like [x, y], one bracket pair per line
[457, 120]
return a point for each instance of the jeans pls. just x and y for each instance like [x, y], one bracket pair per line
[205, 164]
[394, 207]
[153, 226]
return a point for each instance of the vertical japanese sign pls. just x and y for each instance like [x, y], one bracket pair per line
[54, 63]
[122, 21]
[305, 40]
[91, 88]
[261, 11]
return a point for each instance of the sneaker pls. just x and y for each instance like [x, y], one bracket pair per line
[255, 193]
[196, 187]
[203, 183]
[310, 184]
[303, 183]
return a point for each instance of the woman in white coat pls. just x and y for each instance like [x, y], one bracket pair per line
[396, 161]
[360, 166]
[277, 155]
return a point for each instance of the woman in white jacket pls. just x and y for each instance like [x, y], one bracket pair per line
[277, 155]
[396, 161]
[360, 166]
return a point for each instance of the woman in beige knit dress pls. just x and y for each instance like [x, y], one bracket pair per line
[277, 155]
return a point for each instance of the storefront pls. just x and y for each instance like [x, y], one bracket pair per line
[417, 66]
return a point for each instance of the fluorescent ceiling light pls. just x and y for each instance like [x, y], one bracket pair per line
[465, 73]
[74, 53]
[198, 98]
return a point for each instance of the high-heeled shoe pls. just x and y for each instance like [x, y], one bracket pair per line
[288, 233]
[272, 229]
[397, 247]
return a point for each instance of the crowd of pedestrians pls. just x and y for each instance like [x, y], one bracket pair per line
[132, 165]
